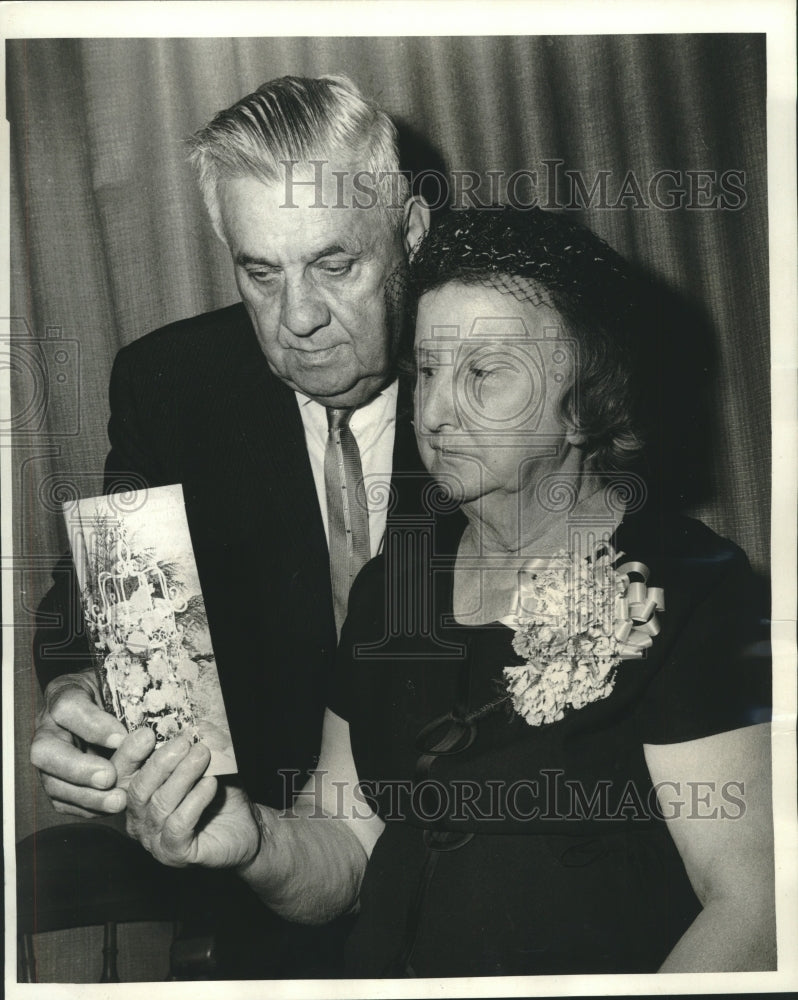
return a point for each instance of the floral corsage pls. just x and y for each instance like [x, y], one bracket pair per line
[575, 620]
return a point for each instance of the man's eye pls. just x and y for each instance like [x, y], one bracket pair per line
[336, 267]
[480, 373]
[262, 277]
[426, 371]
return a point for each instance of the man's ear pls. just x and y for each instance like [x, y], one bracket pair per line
[415, 221]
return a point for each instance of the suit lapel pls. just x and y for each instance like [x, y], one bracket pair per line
[273, 441]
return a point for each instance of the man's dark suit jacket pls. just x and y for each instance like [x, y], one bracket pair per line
[195, 403]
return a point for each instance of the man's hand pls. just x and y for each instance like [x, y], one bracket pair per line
[72, 730]
[183, 818]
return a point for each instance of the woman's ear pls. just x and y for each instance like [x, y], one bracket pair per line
[415, 221]
[575, 436]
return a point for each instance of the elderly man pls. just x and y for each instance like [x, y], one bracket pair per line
[265, 411]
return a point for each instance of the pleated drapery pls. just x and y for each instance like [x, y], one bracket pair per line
[110, 239]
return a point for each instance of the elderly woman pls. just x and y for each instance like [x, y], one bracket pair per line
[547, 747]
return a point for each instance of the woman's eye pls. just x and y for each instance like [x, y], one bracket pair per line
[426, 371]
[480, 373]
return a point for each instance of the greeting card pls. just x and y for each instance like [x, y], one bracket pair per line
[146, 617]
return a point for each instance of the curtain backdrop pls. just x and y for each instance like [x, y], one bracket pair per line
[110, 240]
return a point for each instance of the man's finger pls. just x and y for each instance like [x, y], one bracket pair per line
[148, 779]
[178, 838]
[69, 810]
[169, 795]
[72, 708]
[133, 751]
[87, 800]
[53, 754]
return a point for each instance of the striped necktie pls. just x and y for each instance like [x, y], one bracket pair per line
[347, 513]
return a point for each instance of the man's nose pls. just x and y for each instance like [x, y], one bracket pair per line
[303, 309]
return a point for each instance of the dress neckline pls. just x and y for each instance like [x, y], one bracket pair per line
[500, 622]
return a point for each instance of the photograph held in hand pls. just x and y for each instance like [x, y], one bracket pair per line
[148, 629]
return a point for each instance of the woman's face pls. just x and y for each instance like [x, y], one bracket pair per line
[491, 374]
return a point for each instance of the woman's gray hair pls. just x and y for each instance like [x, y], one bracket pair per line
[299, 119]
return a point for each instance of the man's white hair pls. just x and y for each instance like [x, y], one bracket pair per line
[299, 119]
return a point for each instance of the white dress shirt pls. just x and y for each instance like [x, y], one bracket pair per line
[374, 428]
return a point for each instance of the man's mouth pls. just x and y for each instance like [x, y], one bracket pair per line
[316, 356]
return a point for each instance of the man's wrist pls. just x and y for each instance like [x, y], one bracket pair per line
[262, 837]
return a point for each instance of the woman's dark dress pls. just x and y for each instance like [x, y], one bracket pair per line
[535, 850]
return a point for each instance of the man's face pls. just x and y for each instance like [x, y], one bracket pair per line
[313, 280]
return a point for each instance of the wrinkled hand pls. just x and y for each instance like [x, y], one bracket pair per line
[72, 730]
[183, 818]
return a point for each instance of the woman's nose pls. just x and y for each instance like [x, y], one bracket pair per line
[435, 403]
[303, 309]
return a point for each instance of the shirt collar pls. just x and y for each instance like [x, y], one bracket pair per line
[387, 395]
